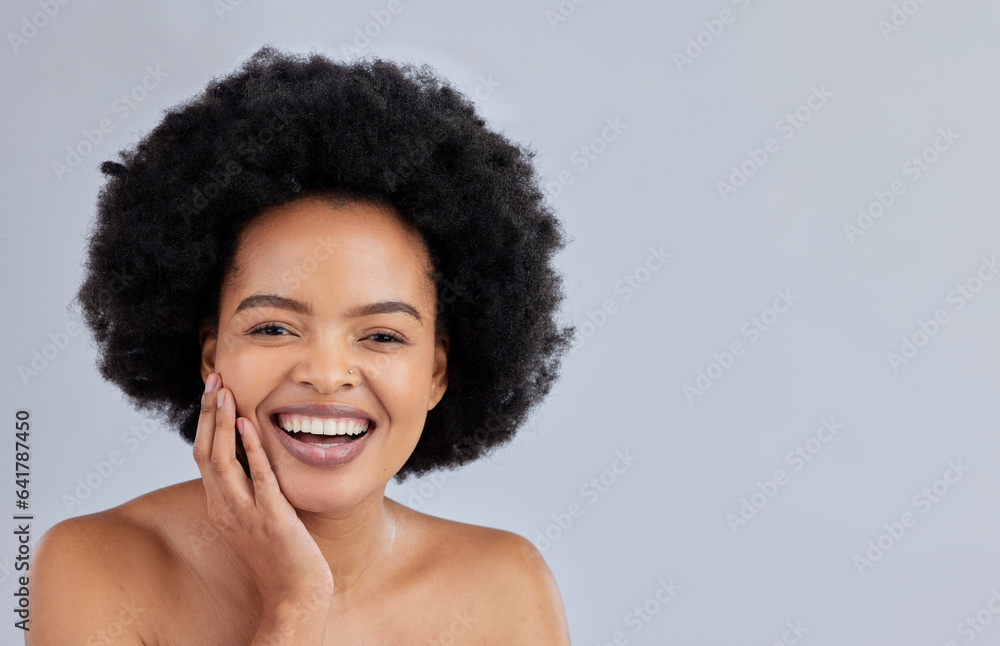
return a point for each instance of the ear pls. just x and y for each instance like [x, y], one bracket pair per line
[208, 339]
[439, 380]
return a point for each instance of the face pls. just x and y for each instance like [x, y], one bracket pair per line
[330, 304]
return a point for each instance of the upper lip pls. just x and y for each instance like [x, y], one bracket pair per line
[316, 409]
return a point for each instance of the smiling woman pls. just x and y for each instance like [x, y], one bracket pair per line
[359, 291]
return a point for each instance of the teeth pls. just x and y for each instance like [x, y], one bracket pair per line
[322, 425]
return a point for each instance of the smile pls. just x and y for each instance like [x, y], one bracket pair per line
[310, 429]
[322, 441]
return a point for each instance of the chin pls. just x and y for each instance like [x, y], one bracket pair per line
[323, 493]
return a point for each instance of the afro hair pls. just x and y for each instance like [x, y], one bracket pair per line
[284, 126]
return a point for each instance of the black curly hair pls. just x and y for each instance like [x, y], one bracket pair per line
[284, 126]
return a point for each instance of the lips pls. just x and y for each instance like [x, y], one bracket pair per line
[331, 434]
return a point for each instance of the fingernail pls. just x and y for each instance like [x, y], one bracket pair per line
[239, 425]
[222, 398]
[212, 382]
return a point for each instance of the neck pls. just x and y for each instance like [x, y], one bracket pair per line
[353, 540]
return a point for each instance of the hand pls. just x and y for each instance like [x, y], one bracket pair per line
[253, 515]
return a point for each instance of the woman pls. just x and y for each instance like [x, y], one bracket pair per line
[333, 275]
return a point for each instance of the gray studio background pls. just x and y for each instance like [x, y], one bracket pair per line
[807, 111]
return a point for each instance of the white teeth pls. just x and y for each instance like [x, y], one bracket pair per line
[322, 425]
[332, 426]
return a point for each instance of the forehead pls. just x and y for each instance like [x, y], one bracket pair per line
[354, 249]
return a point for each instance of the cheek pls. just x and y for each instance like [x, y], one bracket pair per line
[401, 383]
[244, 371]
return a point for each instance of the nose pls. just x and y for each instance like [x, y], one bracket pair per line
[326, 364]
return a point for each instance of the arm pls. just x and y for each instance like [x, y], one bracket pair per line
[533, 613]
[261, 526]
[78, 591]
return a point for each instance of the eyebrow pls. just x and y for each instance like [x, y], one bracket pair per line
[292, 305]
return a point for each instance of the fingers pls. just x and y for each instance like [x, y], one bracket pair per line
[223, 463]
[265, 485]
[206, 422]
[215, 448]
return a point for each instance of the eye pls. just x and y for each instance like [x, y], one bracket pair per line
[267, 329]
[386, 337]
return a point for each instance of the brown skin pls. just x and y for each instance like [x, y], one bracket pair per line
[301, 554]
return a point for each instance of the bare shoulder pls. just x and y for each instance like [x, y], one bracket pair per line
[502, 575]
[90, 576]
[86, 580]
